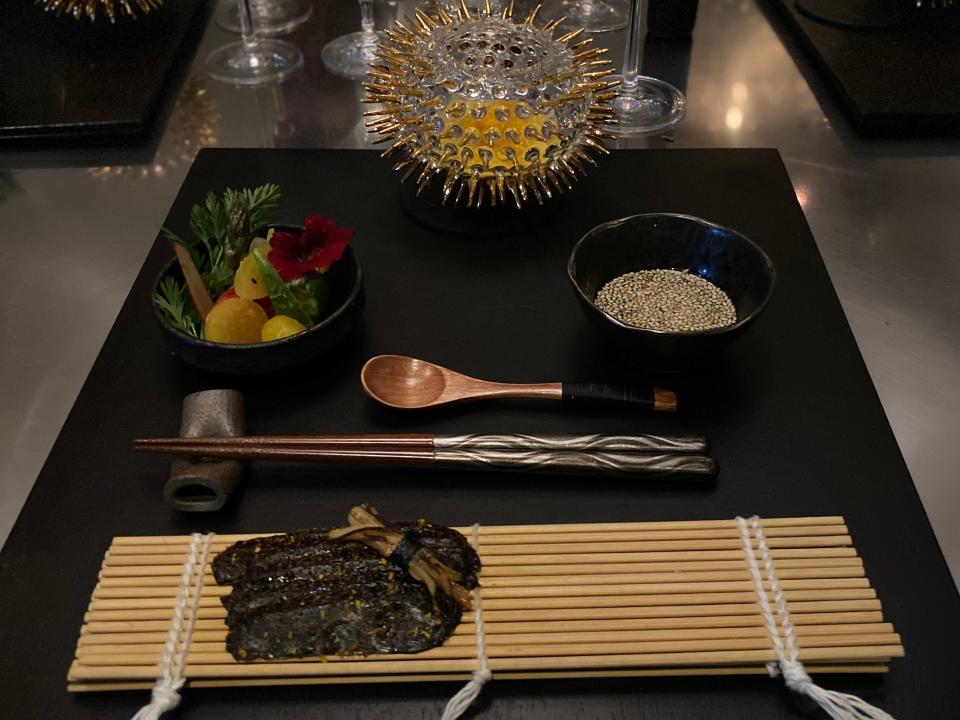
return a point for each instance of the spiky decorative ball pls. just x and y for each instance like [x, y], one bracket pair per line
[501, 109]
[93, 9]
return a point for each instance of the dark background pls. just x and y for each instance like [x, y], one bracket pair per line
[794, 421]
[901, 80]
[69, 82]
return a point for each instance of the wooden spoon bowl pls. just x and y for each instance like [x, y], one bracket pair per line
[403, 382]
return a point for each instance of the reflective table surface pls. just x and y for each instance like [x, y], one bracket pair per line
[77, 224]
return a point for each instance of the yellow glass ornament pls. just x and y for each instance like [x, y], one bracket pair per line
[500, 109]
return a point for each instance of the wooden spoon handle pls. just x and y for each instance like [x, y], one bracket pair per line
[656, 398]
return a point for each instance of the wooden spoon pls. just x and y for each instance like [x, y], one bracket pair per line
[404, 382]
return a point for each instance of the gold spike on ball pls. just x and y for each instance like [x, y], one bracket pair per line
[93, 9]
[501, 109]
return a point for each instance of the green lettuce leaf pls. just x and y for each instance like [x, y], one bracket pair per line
[313, 293]
[283, 299]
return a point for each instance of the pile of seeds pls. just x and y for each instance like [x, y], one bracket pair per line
[666, 300]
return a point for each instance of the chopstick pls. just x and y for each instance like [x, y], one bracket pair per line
[504, 441]
[614, 455]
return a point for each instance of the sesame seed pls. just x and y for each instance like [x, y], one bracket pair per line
[671, 300]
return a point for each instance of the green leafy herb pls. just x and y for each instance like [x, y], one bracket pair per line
[261, 203]
[283, 299]
[208, 223]
[220, 276]
[171, 299]
[224, 227]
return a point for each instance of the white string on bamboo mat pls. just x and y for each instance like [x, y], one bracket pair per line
[838, 705]
[166, 693]
[481, 676]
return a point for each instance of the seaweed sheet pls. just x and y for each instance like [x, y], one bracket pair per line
[301, 594]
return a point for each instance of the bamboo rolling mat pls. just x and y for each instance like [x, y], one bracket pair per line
[558, 601]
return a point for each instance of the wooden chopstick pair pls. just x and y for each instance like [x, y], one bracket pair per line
[608, 455]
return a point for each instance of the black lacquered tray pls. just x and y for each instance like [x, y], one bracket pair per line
[76, 82]
[794, 420]
[899, 78]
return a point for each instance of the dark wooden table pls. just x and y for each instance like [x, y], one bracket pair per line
[793, 418]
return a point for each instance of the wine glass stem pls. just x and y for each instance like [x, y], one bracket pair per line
[631, 56]
[248, 30]
[367, 23]
[496, 6]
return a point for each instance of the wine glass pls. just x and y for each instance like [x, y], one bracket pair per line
[643, 105]
[496, 6]
[594, 16]
[253, 60]
[272, 17]
[350, 55]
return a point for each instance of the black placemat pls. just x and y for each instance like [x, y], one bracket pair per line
[72, 80]
[900, 80]
[795, 423]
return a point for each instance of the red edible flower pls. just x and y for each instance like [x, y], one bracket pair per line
[320, 244]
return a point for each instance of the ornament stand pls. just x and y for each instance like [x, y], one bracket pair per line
[428, 209]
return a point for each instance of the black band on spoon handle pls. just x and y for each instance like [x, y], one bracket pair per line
[656, 398]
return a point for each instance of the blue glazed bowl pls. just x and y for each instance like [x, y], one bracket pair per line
[726, 258]
[340, 319]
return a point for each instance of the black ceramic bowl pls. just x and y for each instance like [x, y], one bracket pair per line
[678, 242]
[339, 320]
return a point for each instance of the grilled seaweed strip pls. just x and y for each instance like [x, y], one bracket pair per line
[300, 595]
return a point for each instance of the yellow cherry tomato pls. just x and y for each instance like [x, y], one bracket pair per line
[280, 326]
[234, 321]
[248, 282]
